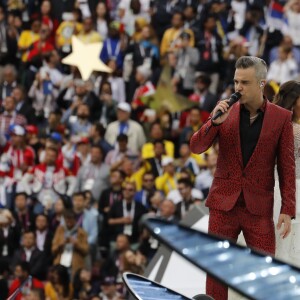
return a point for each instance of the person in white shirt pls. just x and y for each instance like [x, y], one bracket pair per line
[284, 68]
[292, 12]
[94, 176]
[134, 131]
[101, 20]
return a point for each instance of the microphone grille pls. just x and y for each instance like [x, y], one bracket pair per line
[237, 96]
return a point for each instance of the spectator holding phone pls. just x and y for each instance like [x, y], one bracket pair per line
[43, 95]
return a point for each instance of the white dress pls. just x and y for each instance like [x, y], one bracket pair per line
[288, 249]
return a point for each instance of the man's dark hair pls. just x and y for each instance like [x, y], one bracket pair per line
[196, 107]
[100, 129]
[24, 265]
[154, 124]
[29, 232]
[179, 13]
[158, 141]
[121, 173]
[79, 194]
[69, 214]
[204, 79]
[186, 182]
[98, 147]
[42, 215]
[21, 194]
[122, 138]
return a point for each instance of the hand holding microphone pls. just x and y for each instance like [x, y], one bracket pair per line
[223, 108]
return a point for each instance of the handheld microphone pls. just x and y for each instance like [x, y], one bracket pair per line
[233, 98]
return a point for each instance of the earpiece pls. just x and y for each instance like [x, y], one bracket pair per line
[262, 84]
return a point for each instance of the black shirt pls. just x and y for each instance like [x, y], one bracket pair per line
[249, 133]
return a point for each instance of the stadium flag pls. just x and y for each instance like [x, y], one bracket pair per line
[276, 18]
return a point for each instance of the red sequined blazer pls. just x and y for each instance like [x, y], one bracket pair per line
[256, 179]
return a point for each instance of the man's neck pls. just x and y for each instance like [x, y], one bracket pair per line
[185, 158]
[29, 248]
[50, 165]
[116, 188]
[23, 211]
[188, 199]
[78, 211]
[123, 150]
[253, 107]
[97, 139]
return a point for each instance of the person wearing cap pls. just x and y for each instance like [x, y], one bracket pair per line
[16, 158]
[33, 140]
[112, 46]
[170, 40]
[187, 61]
[168, 180]
[53, 140]
[83, 146]
[134, 131]
[109, 289]
[115, 157]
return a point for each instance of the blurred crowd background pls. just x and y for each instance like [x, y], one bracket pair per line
[83, 162]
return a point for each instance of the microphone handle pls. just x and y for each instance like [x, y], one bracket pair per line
[219, 113]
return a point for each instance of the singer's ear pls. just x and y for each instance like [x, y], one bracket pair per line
[262, 84]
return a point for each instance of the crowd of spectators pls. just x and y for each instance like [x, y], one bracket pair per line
[83, 162]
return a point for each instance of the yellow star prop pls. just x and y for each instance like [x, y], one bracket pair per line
[86, 58]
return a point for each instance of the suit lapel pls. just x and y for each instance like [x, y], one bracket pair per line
[266, 125]
[236, 131]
